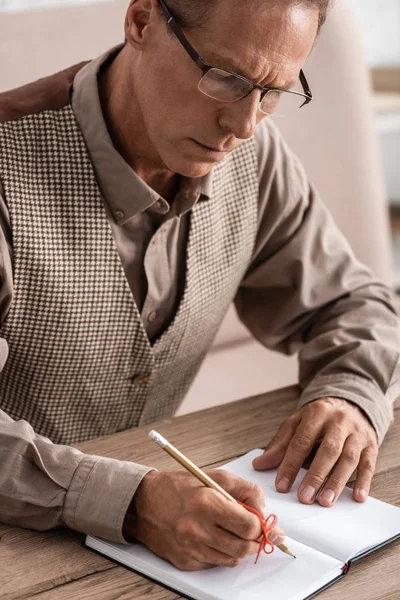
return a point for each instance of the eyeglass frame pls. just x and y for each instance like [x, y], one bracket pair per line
[205, 67]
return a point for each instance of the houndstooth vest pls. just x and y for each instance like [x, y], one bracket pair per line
[80, 363]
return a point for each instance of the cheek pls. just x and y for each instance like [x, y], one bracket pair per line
[170, 89]
[184, 114]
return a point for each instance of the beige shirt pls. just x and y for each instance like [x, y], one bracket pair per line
[304, 291]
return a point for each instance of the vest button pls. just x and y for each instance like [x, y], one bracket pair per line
[141, 378]
[119, 214]
[151, 317]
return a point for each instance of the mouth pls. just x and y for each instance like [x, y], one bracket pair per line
[211, 150]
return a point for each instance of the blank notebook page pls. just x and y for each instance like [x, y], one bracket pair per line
[276, 576]
[343, 531]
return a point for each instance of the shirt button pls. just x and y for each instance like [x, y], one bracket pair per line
[152, 316]
[119, 214]
[158, 204]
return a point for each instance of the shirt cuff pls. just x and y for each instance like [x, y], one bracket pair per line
[359, 391]
[99, 496]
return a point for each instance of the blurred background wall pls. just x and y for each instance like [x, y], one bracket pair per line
[379, 22]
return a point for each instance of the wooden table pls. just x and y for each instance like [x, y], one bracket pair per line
[55, 566]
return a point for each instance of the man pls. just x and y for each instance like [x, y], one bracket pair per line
[142, 193]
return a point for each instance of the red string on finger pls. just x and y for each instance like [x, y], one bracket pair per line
[266, 525]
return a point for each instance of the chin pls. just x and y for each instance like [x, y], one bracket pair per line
[195, 170]
[189, 167]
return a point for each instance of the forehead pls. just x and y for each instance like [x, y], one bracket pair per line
[257, 38]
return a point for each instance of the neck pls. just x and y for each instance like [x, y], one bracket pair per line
[126, 128]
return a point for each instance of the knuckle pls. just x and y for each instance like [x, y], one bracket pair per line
[257, 491]
[368, 466]
[242, 550]
[290, 469]
[250, 529]
[351, 455]
[292, 419]
[316, 478]
[184, 530]
[301, 442]
[233, 562]
[335, 482]
[202, 498]
[373, 443]
[222, 476]
[332, 448]
[318, 406]
[342, 417]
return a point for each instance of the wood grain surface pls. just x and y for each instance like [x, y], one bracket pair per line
[55, 566]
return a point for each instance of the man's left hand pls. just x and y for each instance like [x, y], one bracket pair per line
[347, 442]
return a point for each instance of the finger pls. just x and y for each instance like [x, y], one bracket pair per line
[212, 508]
[209, 544]
[275, 451]
[250, 494]
[186, 563]
[299, 448]
[207, 555]
[236, 547]
[233, 517]
[365, 471]
[347, 463]
[237, 520]
[240, 489]
[324, 461]
[231, 545]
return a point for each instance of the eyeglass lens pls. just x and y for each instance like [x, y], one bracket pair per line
[227, 87]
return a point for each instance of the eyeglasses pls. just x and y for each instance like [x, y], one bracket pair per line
[227, 86]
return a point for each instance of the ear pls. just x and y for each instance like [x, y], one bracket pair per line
[139, 15]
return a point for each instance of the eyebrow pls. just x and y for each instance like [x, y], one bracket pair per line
[231, 68]
[286, 87]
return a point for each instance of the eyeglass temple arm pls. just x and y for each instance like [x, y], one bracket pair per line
[306, 87]
[177, 31]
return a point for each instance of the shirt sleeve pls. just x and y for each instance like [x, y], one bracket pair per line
[305, 292]
[44, 485]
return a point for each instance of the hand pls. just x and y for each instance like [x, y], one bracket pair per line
[347, 442]
[195, 527]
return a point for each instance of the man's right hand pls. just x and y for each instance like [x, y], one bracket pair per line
[195, 527]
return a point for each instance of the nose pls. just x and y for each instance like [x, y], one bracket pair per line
[241, 117]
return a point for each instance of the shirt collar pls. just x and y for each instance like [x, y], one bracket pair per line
[124, 191]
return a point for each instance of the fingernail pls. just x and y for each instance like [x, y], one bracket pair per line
[278, 540]
[362, 494]
[307, 494]
[328, 495]
[284, 484]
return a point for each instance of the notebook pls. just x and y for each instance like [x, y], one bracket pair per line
[324, 540]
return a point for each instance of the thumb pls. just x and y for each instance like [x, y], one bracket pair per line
[276, 449]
